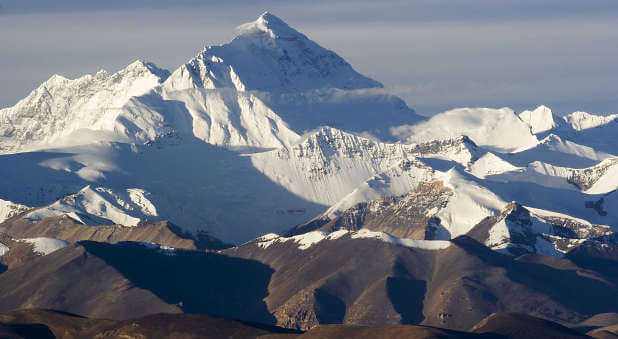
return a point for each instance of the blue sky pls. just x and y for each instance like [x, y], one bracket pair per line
[436, 54]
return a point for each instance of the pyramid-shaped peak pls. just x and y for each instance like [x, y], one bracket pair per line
[541, 119]
[268, 55]
[141, 66]
[542, 109]
[270, 20]
[271, 25]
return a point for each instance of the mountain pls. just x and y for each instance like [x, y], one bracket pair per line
[351, 277]
[105, 139]
[267, 181]
[45, 323]
[286, 131]
[540, 119]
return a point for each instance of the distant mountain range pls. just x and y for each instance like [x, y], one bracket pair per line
[266, 180]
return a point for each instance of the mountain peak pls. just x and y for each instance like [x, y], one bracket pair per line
[142, 66]
[541, 119]
[270, 24]
[268, 55]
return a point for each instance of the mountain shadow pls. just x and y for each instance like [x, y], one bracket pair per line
[585, 293]
[406, 294]
[328, 308]
[39, 331]
[198, 282]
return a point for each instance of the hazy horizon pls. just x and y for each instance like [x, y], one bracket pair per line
[436, 55]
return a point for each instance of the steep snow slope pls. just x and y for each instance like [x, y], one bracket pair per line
[491, 164]
[581, 120]
[469, 204]
[395, 181]
[268, 55]
[263, 89]
[45, 246]
[541, 119]
[269, 130]
[61, 107]
[435, 205]
[559, 152]
[460, 150]
[277, 69]
[230, 118]
[597, 179]
[520, 229]
[101, 206]
[498, 129]
[329, 163]
[9, 209]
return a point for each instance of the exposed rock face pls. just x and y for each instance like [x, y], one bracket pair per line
[65, 228]
[518, 230]
[585, 178]
[408, 216]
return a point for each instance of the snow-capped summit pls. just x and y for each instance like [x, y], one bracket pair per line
[582, 120]
[497, 129]
[223, 134]
[541, 119]
[268, 55]
[61, 107]
[271, 25]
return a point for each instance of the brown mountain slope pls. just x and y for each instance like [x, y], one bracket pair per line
[73, 280]
[355, 281]
[35, 323]
[522, 326]
[65, 228]
[127, 280]
[65, 325]
[406, 216]
[370, 282]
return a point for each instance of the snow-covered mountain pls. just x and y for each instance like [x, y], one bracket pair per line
[272, 132]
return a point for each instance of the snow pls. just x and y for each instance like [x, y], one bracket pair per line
[540, 119]
[540, 231]
[45, 246]
[60, 108]
[469, 204]
[498, 129]
[396, 181]
[499, 236]
[269, 131]
[266, 240]
[3, 249]
[560, 152]
[581, 120]
[329, 163]
[545, 247]
[268, 55]
[491, 164]
[608, 180]
[10, 209]
[545, 213]
[422, 244]
[306, 240]
[101, 206]
[165, 250]
[337, 234]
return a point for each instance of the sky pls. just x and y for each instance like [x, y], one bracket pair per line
[435, 54]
